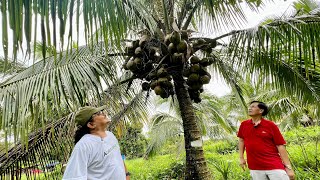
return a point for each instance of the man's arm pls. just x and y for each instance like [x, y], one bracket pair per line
[243, 163]
[285, 159]
[127, 173]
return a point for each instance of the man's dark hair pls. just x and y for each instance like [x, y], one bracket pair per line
[81, 131]
[263, 106]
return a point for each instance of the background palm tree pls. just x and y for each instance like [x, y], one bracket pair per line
[167, 124]
[270, 50]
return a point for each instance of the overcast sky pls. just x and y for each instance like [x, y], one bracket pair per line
[278, 7]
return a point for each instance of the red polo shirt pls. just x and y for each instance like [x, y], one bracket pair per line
[260, 144]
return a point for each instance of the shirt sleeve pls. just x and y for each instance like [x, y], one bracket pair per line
[277, 136]
[240, 132]
[77, 165]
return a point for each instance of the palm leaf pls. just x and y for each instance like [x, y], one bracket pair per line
[277, 49]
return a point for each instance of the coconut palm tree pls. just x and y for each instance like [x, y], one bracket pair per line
[162, 51]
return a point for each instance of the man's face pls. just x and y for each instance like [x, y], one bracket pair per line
[101, 119]
[254, 109]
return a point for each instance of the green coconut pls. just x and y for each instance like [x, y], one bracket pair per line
[137, 61]
[172, 48]
[197, 99]
[194, 59]
[175, 37]
[130, 50]
[195, 68]
[153, 84]
[145, 86]
[195, 86]
[143, 40]
[131, 65]
[193, 77]
[177, 58]
[205, 79]
[182, 46]
[167, 39]
[207, 61]
[158, 90]
[162, 72]
[163, 81]
[184, 34]
[138, 51]
[186, 72]
[164, 94]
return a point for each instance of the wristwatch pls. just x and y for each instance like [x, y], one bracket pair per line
[288, 166]
[127, 174]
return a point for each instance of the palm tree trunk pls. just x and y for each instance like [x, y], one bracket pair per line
[196, 166]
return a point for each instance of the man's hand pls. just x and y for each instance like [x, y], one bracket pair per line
[243, 163]
[290, 173]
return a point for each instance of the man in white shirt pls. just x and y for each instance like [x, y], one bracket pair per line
[96, 155]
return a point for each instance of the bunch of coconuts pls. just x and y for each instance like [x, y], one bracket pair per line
[153, 59]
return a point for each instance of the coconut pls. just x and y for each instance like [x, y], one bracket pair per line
[184, 34]
[158, 90]
[193, 77]
[195, 68]
[135, 43]
[177, 58]
[182, 46]
[130, 50]
[213, 44]
[162, 72]
[196, 86]
[153, 84]
[194, 59]
[131, 65]
[208, 50]
[206, 61]
[169, 77]
[163, 81]
[137, 61]
[200, 42]
[164, 94]
[197, 99]
[205, 79]
[138, 51]
[186, 72]
[143, 40]
[167, 39]
[145, 86]
[175, 37]
[172, 48]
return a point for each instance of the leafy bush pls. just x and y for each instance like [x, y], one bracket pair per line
[142, 169]
[174, 171]
[133, 143]
[221, 147]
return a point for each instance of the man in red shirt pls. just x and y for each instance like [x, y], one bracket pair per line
[265, 147]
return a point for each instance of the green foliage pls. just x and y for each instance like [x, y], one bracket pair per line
[133, 143]
[222, 147]
[174, 171]
[142, 169]
[223, 159]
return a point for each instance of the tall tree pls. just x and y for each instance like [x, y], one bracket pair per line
[164, 53]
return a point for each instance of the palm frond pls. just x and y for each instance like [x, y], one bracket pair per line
[277, 49]
[218, 15]
[112, 16]
[37, 153]
[163, 127]
[54, 87]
